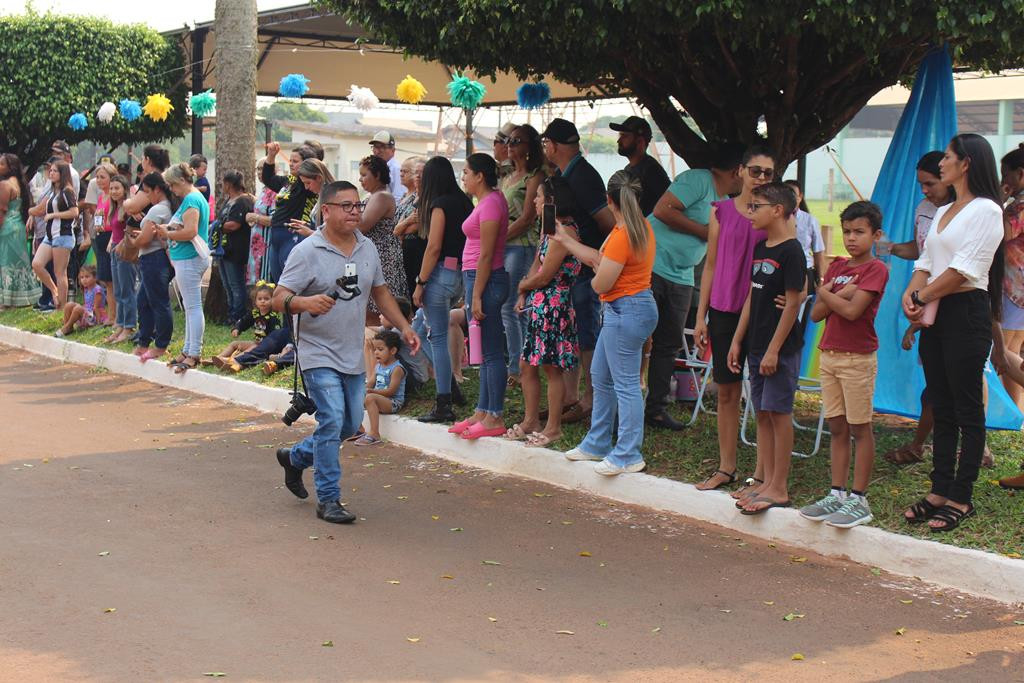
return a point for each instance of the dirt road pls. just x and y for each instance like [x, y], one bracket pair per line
[146, 535]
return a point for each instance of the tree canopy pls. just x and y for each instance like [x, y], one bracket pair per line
[55, 66]
[805, 66]
[289, 111]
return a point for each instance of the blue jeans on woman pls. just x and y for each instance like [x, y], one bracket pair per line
[493, 373]
[339, 410]
[189, 275]
[439, 295]
[154, 301]
[615, 372]
[518, 259]
[126, 277]
[232, 275]
[282, 241]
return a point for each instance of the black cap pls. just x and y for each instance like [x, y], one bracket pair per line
[60, 145]
[635, 125]
[561, 131]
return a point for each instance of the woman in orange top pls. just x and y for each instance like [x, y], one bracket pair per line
[622, 278]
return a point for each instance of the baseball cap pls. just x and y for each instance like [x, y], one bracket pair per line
[561, 131]
[635, 125]
[383, 137]
[60, 145]
[505, 132]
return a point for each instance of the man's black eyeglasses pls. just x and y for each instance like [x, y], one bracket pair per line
[348, 207]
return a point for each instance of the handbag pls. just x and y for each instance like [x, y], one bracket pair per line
[126, 251]
[201, 247]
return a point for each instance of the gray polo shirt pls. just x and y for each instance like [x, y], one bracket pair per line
[335, 339]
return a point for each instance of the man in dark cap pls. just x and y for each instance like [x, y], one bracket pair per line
[634, 136]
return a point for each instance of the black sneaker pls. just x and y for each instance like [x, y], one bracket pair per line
[292, 474]
[663, 420]
[334, 512]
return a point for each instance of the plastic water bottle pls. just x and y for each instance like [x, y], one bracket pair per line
[476, 354]
[883, 249]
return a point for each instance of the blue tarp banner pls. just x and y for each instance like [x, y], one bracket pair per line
[928, 123]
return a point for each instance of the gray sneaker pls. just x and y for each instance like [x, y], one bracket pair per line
[855, 511]
[818, 511]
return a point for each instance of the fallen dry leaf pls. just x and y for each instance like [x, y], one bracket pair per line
[769, 602]
[656, 629]
[796, 559]
[447, 576]
[791, 616]
[491, 619]
[456, 528]
[435, 517]
[394, 582]
[907, 602]
[327, 643]
[584, 553]
[491, 563]
[602, 623]
[104, 553]
[215, 674]
[797, 657]
[109, 610]
[900, 631]
[413, 640]
[565, 633]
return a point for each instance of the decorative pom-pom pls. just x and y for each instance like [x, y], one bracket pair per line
[410, 90]
[465, 92]
[78, 121]
[130, 110]
[293, 85]
[106, 112]
[157, 107]
[362, 98]
[202, 104]
[533, 95]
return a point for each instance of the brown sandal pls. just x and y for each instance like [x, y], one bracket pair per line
[576, 413]
[189, 363]
[905, 455]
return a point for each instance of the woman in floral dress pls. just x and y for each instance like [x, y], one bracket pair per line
[378, 223]
[258, 267]
[549, 334]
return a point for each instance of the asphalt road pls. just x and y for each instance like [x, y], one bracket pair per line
[146, 535]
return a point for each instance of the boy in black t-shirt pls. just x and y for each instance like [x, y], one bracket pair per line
[773, 338]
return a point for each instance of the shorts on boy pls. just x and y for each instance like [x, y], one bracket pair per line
[396, 405]
[848, 385]
[721, 328]
[776, 392]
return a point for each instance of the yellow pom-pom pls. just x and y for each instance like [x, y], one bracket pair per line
[157, 107]
[410, 90]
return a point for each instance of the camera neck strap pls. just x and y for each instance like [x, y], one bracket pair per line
[296, 370]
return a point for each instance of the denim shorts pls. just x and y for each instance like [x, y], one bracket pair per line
[60, 242]
[774, 393]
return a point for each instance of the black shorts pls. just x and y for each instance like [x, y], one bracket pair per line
[721, 328]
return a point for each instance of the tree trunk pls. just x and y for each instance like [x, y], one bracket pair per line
[235, 73]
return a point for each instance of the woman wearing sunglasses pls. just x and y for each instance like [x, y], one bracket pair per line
[724, 286]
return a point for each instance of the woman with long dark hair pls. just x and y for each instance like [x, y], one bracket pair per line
[59, 209]
[956, 293]
[18, 287]
[126, 273]
[237, 236]
[378, 223]
[442, 209]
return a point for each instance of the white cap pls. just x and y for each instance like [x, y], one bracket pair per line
[383, 137]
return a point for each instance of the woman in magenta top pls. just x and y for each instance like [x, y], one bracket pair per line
[486, 282]
[126, 273]
[723, 289]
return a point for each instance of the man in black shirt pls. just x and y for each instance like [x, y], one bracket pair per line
[634, 136]
[561, 144]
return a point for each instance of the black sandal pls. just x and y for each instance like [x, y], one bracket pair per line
[952, 516]
[749, 482]
[922, 511]
[190, 363]
[731, 480]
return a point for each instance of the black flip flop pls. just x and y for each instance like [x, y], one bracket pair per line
[952, 516]
[731, 476]
[774, 504]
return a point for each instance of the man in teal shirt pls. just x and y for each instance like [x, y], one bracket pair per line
[680, 222]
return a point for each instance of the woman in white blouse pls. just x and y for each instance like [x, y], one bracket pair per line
[958, 281]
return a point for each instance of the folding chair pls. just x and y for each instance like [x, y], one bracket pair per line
[699, 368]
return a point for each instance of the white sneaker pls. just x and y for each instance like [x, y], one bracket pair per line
[609, 470]
[576, 454]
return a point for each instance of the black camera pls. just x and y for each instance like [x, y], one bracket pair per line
[301, 405]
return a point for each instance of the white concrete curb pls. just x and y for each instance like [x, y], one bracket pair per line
[972, 571]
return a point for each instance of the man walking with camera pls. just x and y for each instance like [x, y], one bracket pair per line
[329, 277]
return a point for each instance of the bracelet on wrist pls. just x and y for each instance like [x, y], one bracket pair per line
[914, 296]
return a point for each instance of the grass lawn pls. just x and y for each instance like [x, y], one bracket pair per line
[819, 209]
[693, 454]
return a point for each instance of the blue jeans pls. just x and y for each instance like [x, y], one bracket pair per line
[189, 274]
[439, 295]
[126, 278]
[154, 301]
[615, 372]
[493, 373]
[282, 241]
[588, 311]
[339, 410]
[518, 259]
[419, 326]
[233, 277]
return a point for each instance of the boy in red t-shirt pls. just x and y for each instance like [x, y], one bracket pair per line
[848, 302]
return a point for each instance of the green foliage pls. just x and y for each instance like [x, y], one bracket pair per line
[56, 65]
[806, 67]
[289, 111]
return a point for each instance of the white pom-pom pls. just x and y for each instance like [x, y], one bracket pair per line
[106, 112]
[362, 98]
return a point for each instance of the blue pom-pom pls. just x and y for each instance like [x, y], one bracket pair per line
[78, 121]
[533, 95]
[130, 110]
[294, 85]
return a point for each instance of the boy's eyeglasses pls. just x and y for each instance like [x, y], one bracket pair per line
[758, 171]
[348, 207]
[754, 206]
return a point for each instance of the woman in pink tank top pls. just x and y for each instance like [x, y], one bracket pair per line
[724, 286]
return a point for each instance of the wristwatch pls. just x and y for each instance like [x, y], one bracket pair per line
[421, 282]
[916, 299]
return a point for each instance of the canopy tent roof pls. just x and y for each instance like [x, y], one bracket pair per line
[326, 48]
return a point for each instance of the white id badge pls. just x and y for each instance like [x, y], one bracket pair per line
[97, 221]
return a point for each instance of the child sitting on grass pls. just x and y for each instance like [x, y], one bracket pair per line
[416, 372]
[261, 319]
[774, 340]
[93, 310]
[848, 303]
[385, 390]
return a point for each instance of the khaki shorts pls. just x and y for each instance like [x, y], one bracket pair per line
[848, 385]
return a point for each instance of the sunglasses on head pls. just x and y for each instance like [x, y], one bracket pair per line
[758, 171]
